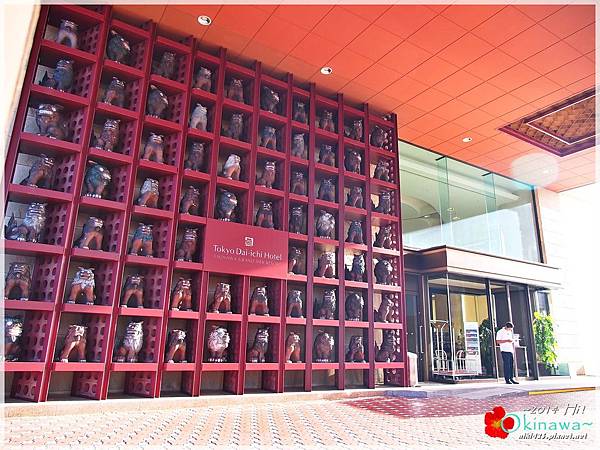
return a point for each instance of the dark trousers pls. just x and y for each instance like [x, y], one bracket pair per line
[507, 365]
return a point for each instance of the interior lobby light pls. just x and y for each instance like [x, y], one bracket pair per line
[467, 139]
[204, 20]
[326, 70]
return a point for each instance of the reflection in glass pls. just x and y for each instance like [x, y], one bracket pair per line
[462, 335]
[447, 202]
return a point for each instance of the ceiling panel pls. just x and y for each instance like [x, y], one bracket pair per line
[448, 71]
[529, 42]
[340, 26]
[503, 26]
[465, 50]
[569, 20]
[305, 16]
[470, 16]
[553, 57]
[404, 20]
[375, 42]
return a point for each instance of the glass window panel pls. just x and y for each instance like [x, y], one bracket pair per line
[516, 232]
[447, 202]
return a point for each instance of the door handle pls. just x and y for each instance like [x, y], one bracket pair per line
[421, 339]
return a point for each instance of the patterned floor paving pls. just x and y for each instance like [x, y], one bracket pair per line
[376, 422]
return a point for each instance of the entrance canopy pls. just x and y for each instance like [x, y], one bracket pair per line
[469, 263]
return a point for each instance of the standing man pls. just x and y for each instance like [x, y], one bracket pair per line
[504, 338]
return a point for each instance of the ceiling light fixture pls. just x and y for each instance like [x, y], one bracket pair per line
[467, 139]
[204, 20]
[326, 70]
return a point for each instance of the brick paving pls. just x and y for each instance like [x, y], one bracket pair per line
[377, 422]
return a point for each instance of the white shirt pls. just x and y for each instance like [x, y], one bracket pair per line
[502, 335]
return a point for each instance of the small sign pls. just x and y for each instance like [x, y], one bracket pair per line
[245, 250]
[472, 348]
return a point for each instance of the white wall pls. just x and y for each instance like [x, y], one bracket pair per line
[569, 222]
[18, 21]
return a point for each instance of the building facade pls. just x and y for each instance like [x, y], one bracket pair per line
[479, 249]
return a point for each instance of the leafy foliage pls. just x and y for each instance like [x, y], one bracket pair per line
[545, 342]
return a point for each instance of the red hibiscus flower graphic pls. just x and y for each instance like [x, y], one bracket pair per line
[496, 423]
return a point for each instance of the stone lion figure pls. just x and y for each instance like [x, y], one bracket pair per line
[222, 299]
[149, 193]
[355, 232]
[154, 148]
[83, 286]
[385, 313]
[294, 303]
[326, 225]
[131, 343]
[203, 79]
[109, 136]
[195, 157]
[97, 178]
[92, 234]
[41, 173]
[218, 343]
[384, 272]
[256, 354]
[387, 351]
[323, 348]
[292, 348]
[232, 168]
[295, 260]
[31, 227]
[325, 309]
[382, 170]
[176, 347]
[134, 287]
[264, 215]
[188, 245]
[354, 306]
[13, 330]
[75, 340]
[356, 350]
[226, 204]
[18, 281]
[357, 271]
[384, 237]
[259, 301]
[142, 241]
[326, 265]
[181, 297]
[190, 202]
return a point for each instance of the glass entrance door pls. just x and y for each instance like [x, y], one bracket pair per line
[415, 339]
[511, 303]
[461, 330]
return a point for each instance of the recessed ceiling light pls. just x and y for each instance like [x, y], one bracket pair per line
[326, 70]
[204, 20]
[467, 139]
[450, 209]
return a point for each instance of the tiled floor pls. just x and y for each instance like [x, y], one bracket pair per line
[371, 422]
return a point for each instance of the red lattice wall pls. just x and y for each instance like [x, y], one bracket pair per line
[56, 258]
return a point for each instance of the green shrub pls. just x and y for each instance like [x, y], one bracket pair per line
[545, 342]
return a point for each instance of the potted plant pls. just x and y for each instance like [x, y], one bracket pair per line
[486, 339]
[545, 343]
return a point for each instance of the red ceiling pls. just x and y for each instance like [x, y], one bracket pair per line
[448, 71]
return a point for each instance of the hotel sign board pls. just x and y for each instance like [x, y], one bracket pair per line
[245, 250]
